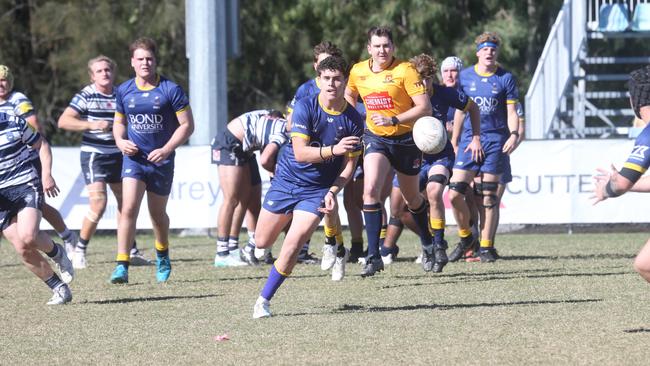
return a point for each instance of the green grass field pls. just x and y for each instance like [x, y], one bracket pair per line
[553, 299]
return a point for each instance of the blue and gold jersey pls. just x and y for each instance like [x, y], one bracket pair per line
[307, 89]
[639, 158]
[491, 92]
[320, 127]
[16, 140]
[446, 99]
[150, 114]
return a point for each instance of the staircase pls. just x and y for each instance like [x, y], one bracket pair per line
[579, 87]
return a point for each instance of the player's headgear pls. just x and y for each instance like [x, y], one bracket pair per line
[5, 73]
[639, 86]
[451, 62]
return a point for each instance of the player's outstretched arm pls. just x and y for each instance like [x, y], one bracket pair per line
[609, 183]
[71, 120]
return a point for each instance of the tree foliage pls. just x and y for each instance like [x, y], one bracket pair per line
[48, 42]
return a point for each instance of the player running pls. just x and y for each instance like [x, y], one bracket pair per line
[311, 171]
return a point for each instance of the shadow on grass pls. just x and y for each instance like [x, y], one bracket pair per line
[258, 278]
[499, 276]
[146, 299]
[347, 308]
[566, 257]
[352, 308]
[638, 330]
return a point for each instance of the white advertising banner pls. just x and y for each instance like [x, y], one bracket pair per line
[552, 183]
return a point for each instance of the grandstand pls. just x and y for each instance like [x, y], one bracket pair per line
[579, 87]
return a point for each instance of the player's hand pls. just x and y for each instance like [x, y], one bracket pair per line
[329, 204]
[510, 145]
[477, 150]
[158, 155]
[600, 182]
[127, 147]
[49, 186]
[381, 120]
[347, 144]
[102, 125]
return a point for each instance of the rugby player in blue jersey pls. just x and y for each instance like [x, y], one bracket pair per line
[16, 103]
[239, 178]
[436, 168]
[91, 111]
[311, 171]
[332, 223]
[613, 183]
[495, 92]
[152, 118]
[21, 201]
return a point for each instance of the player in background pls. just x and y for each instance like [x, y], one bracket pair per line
[613, 183]
[91, 111]
[16, 103]
[21, 195]
[436, 168]
[394, 97]
[152, 118]
[495, 92]
[311, 171]
[239, 178]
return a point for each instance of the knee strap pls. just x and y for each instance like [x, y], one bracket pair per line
[460, 187]
[422, 208]
[437, 178]
[490, 198]
[395, 222]
[478, 189]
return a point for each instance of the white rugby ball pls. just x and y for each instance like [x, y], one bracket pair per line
[430, 135]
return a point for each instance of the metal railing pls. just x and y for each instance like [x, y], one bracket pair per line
[555, 69]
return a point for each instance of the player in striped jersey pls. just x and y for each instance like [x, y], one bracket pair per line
[91, 111]
[612, 183]
[21, 199]
[16, 103]
[239, 178]
[152, 118]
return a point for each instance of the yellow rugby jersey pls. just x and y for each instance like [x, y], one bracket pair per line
[387, 92]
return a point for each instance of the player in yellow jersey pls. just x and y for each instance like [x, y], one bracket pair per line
[394, 97]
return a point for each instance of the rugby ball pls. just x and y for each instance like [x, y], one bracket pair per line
[430, 135]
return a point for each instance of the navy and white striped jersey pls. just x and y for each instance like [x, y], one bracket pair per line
[260, 130]
[16, 139]
[95, 106]
[18, 104]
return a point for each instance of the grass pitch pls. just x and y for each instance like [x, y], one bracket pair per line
[552, 299]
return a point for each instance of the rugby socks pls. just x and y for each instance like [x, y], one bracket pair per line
[82, 245]
[340, 252]
[162, 249]
[123, 259]
[330, 234]
[382, 235]
[273, 283]
[485, 244]
[54, 252]
[421, 217]
[356, 245]
[304, 251]
[251, 237]
[438, 228]
[466, 237]
[222, 247]
[372, 216]
[65, 235]
[233, 243]
[53, 282]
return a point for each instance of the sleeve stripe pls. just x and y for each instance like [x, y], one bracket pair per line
[182, 109]
[300, 135]
[635, 167]
[512, 101]
[354, 154]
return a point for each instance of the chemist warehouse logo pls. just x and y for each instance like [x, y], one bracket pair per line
[146, 122]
